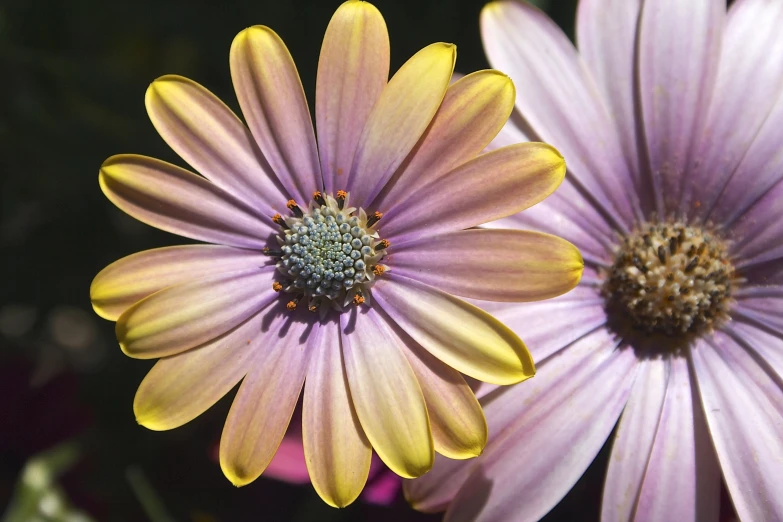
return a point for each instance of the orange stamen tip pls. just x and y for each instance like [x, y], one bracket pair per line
[312, 308]
[291, 306]
[291, 204]
[277, 286]
[317, 194]
[277, 218]
[378, 270]
[384, 243]
[377, 215]
[358, 299]
[341, 194]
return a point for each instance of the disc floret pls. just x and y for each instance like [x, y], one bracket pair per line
[329, 254]
[671, 278]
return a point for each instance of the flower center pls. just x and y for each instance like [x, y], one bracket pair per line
[329, 254]
[671, 278]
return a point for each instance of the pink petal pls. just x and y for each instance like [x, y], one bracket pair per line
[134, 277]
[181, 387]
[337, 451]
[679, 48]
[495, 265]
[516, 130]
[759, 232]
[546, 433]
[744, 409]
[398, 119]
[552, 85]
[289, 464]
[764, 311]
[633, 442]
[386, 393]
[576, 314]
[522, 175]
[274, 104]
[266, 399]
[741, 145]
[352, 71]
[175, 200]
[606, 38]
[473, 111]
[209, 136]
[190, 314]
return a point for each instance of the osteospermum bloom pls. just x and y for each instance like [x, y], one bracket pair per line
[336, 262]
[670, 118]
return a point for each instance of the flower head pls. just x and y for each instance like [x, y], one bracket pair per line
[669, 116]
[336, 262]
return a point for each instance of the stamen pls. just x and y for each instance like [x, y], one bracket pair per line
[278, 220]
[276, 286]
[383, 244]
[378, 270]
[358, 299]
[374, 219]
[319, 198]
[341, 195]
[292, 304]
[293, 207]
[272, 253]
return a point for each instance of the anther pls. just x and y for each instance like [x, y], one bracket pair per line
[662, 254]
[272, 253]
[292, 304]
[383, 244]
[278, 220]
[374, 219]
[378, 270]
[692, 265]
[358, 299]
[276, 286]
[673, 245]
[313, 308]
[293, 207]
[341, 195]
[638, 264]
[319, 198]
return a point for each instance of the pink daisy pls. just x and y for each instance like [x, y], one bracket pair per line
[336, 263]
[670, 118]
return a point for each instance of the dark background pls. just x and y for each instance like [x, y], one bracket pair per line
[72, 81]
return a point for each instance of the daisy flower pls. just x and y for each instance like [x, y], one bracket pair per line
[669, 116]
[334, 263]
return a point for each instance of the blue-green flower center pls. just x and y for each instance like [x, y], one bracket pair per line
[329, 254]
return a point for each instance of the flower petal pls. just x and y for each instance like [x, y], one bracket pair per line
[682, 480]
[568, 213]
[463, 336]
[267, 397]
[336, 450]
[679, 50]
[273, 102]
[472, 113]
[134, 277]
[576, 314]
[190, 314]
[758, 234]
[728, 152]
[209, 136]
[633, 442]
[175, 200]
[515, 130]
[553, 85]
[543, 434]
[522, 175]
[289, 463]
[459, 429]
[386, 394]
[763, 311]
[744, 409]
[606, 38]
[181, 387]
[398, 119]
[495, 265]
[352, 71]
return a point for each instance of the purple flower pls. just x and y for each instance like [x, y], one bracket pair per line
[670, 120]
[336, 262]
